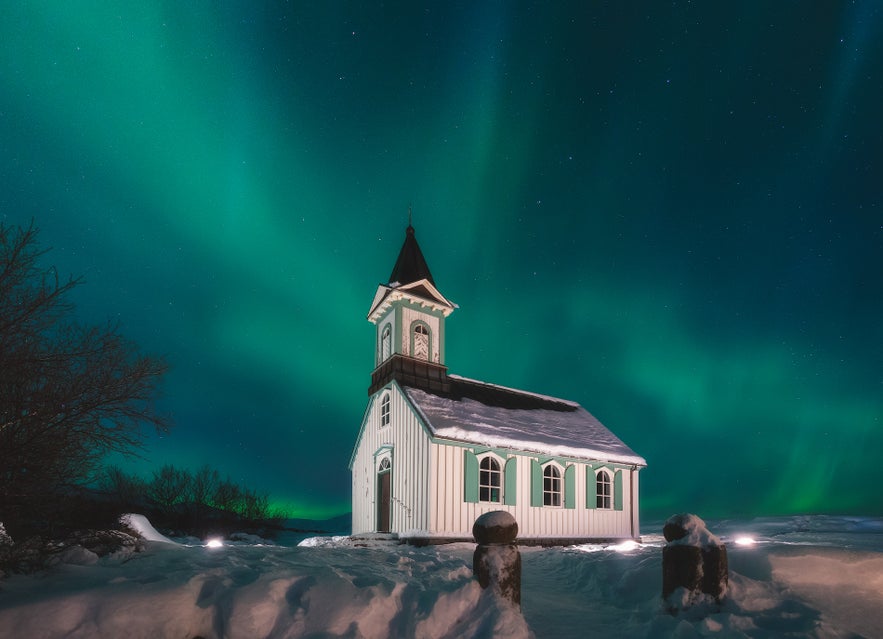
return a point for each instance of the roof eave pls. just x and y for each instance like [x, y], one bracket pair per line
[386, 295]
[540, 450]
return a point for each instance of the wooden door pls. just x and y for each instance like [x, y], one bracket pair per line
[383, 498]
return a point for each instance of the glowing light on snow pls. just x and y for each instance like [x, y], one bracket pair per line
[214, 543]
[744, 540]
[626, 546]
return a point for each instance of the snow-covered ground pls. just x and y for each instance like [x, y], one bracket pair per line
[799, 576]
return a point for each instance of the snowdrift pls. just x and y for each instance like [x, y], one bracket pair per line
[804, 577]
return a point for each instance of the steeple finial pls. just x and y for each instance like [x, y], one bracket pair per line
[409, 214]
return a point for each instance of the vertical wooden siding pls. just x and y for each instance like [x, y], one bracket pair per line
[428, 487]
[451, 515]
[410, 457]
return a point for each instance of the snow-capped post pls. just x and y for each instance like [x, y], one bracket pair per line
[694, 563]
[497, 562]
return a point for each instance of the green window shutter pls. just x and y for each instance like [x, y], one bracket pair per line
[536, 483]
[591, 489]
[570, 487]
[470, 477]
[510, 478]
[617, 490]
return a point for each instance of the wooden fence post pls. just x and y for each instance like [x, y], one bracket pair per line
[693, 560]
[497, 561]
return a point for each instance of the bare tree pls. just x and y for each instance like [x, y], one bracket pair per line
[255, 506]
[68, 393]
[127, 490]
[228, 496]
[169, 486]
[204, 485]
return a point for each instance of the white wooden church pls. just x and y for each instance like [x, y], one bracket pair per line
[436, 450]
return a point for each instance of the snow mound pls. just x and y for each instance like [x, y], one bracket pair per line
[497, 519]
[249, 539]
[691, 531]
[78, 556]
[141, 525]
[261, 591]
[5, 539]
[817, 577]
[337, 541]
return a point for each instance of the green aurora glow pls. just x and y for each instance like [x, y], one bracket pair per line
[671, 214]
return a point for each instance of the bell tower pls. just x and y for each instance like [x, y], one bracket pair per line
[409, 314]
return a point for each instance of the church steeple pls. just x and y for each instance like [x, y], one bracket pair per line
[411, 265]
[409, 312]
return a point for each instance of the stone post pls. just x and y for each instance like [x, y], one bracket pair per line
[497, 562]
[693, 560]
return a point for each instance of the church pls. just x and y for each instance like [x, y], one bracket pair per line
[436, 450]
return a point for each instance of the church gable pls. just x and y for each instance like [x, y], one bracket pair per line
[421, 294]
[388, 414]
[390, 466]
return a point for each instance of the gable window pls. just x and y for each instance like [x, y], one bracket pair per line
[602, 490]
[421, 342]
[384, 411]
[551, 486]
[385, 343]
[490, 480]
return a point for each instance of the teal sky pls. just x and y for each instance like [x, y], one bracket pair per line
[670, 213]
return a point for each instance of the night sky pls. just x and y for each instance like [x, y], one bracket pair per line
[671, 213]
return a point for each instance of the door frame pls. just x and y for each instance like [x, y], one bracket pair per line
[383, 513]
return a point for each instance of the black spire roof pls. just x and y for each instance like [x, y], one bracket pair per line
[411, 265]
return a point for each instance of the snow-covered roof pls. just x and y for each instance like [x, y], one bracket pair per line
[484, 414]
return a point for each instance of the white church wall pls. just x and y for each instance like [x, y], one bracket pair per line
[428, 492]
[408, 447]
[451, 515]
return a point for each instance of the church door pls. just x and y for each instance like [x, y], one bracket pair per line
[383, 496]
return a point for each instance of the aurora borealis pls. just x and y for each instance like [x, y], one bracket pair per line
[670, 213]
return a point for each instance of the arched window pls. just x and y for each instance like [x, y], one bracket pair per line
[385, 343]
[385, 466]
[602, 490]
[384, 410]
[551, 486]
[421, 342]
[489, 480]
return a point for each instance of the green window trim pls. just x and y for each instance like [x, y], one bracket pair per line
[470, 477]
[536, 484]
[591, 489]
[617, 490]
[570, 487]
[510, 481]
